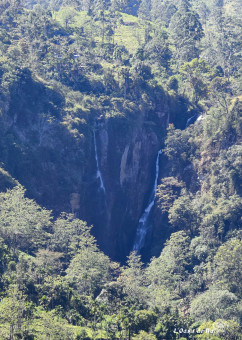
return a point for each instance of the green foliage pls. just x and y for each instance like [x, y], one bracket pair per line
[50, 324]
[67, 67]
[220, 329]
[89, 270]
[186, 31]
[23, 222]
[157, 49]
[144, 336]
[196, 74]
[6, 181]
[227, 265]
[168, 272]
[15, 312]
[183, 214]
[177, 147]
[70, 234]
[144, 320]
[169, 325]
[214, 304]
[167, 192]
[134, 280]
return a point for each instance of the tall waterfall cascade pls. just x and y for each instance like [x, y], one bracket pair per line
[98, 174]
[143, 224]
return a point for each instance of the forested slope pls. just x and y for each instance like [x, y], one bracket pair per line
[114, 113]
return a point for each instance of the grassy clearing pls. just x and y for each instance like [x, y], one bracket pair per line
[129, 37]
[130, 31]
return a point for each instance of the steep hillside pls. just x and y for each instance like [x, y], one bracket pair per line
[120, 140]
[48, 145]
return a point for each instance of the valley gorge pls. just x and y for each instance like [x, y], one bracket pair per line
[116, 172]
[120, 170]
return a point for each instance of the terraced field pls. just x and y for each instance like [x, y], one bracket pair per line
[129, 31]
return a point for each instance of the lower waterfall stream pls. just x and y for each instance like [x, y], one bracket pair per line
[144, 219]
[143, 224]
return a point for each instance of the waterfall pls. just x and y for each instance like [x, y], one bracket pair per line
[201, 118]
[98, 174]
[143, 224]
[191, 120]
[143, 221]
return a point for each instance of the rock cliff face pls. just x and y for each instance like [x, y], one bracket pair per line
[52, 154]
[127, 163]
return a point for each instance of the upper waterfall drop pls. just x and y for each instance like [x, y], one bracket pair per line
[99, 174]
[143, 221]
[191, 120]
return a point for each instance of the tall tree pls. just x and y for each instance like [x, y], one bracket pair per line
[186, 32]
[22, 221]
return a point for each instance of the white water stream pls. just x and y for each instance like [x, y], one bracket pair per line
[98, 174]
[143, 221]
[143, 224]
[191, 119]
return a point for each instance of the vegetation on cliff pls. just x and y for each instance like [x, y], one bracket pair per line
[148, 75]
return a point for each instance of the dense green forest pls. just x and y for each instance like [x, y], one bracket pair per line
[120, 169]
